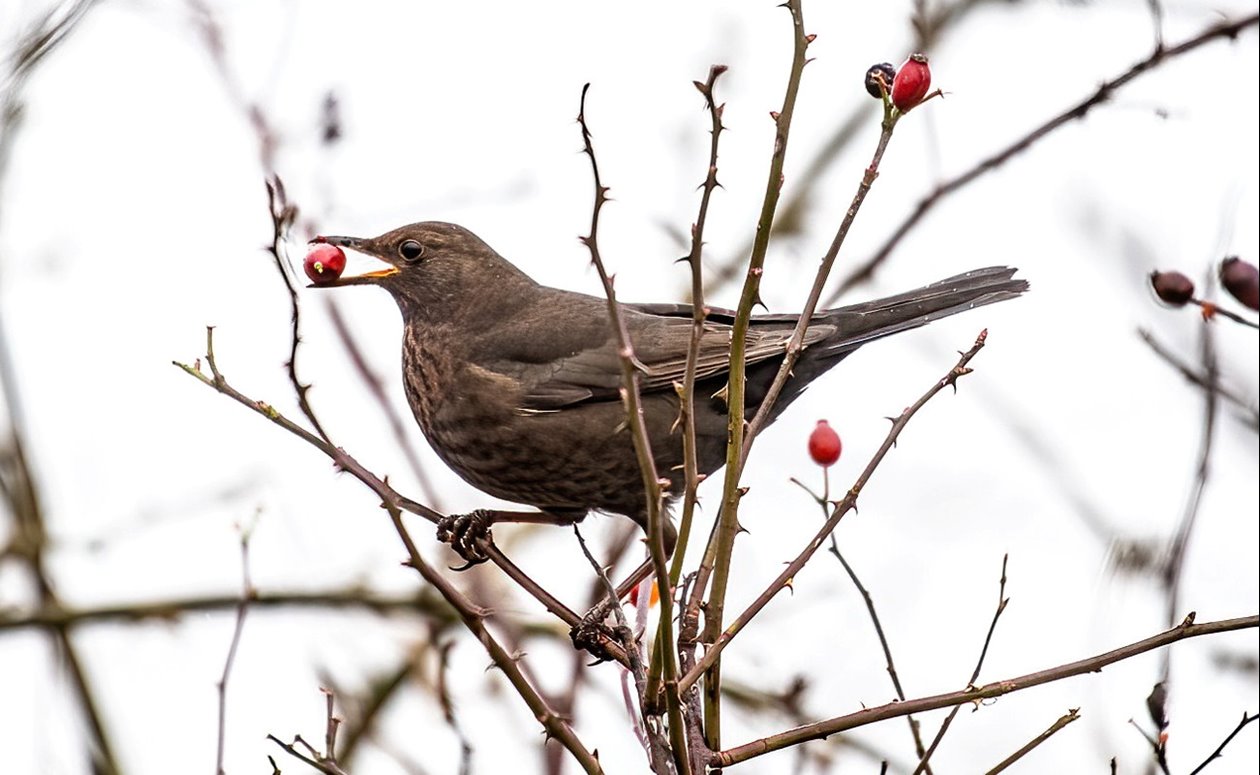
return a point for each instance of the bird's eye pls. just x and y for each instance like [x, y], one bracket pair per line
[410, 250]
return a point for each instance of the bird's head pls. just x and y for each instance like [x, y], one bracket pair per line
[430, 265]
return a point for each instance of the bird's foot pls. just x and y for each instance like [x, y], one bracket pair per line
[465, 533]
[594, 636]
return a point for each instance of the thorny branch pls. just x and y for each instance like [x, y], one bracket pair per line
[471, 615]
[821, 729]
[651, 481]
[714, 572]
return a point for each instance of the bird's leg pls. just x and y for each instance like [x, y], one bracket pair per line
[593, 634]
[465, 532]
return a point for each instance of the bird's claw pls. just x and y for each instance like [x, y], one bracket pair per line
[465, 533]
[593, 636]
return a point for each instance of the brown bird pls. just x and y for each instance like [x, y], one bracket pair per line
[516, 385]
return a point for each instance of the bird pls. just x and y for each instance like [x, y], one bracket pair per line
[517, 385]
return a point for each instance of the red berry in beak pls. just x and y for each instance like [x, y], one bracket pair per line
[324, 263]
[824, 444]
[912, 83]
[1172, 287]
[1242, 281]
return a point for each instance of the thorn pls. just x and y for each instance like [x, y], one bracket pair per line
[810, 38]
[774, 114]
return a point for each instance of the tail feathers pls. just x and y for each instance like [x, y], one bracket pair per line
[858, 324]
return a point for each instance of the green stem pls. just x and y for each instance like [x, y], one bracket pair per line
[721, 543]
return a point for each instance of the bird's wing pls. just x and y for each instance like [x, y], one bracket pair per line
[583, 365]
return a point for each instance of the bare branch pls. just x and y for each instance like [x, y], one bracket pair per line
[821, 729]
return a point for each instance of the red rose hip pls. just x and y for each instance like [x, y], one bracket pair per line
[324, 263]
[912, 82]
[824, 444]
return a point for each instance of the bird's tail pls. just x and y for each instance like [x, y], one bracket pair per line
[861, 323]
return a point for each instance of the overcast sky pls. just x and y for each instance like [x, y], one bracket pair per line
[133, 214]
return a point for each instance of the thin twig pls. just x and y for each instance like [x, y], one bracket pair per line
[448, 709]
[643, 449]
[1220, 749]
[470, 614]
[32, 48]
[242, 607]
[1209, 310]
[984, 651]
[686, 395]
[656, 749]
[310, 759]
[1072, 715]
[382, 687]
[1158, 748]
[889, 665]
[1250, 412]
[282, 216]
[349, 464]
[423, 602]
[1174, 565]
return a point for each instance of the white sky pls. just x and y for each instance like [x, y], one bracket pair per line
[133, 214]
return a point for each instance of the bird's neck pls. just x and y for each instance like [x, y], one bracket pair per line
[497, 291]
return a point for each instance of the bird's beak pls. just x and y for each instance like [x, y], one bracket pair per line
[358, 245]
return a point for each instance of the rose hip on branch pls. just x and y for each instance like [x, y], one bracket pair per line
[912, 82]
[824, 444]
[324, 263]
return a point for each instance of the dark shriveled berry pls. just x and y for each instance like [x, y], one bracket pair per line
[1242, 281]
[882, 73]
[1172, 287]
